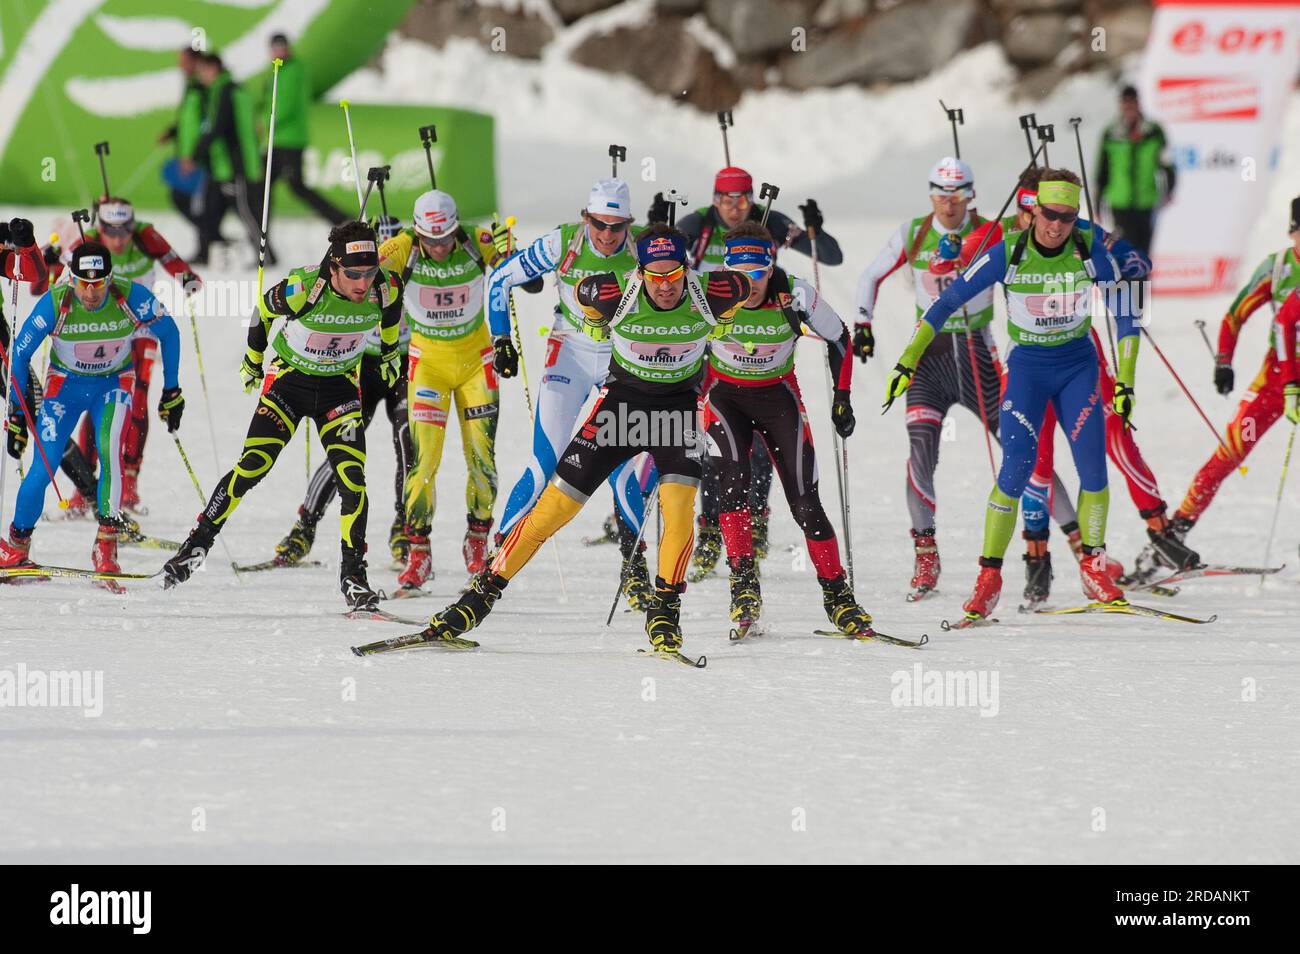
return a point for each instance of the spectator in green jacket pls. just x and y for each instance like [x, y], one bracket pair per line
[1135, 176]
[184, 132]
[292, 103]
[227, 150]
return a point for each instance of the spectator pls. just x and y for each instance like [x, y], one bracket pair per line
[227, 149]
[186, 191]
[292, 103]
[1135, 176]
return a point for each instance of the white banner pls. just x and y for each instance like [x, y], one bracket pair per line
[1217, 76]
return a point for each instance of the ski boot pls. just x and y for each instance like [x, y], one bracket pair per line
[708, 549]
[78, 507]
[758, 523]
[842, 607]
[663, 623]
[353, 581]
[925, 571]
[1038, 567]
[475, 547]
[636, 581]
[1098, 584]
[191, 554]
[746, 596]
[419, 564]
[468, 611]
[131, 492]
[988, 590]
[1114, 567]
[16, 551]
[1167, 544]
[297, 542]
[398, 540]
[608, 532]
[103, 556]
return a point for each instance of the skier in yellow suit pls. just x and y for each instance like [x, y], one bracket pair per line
[450, 357]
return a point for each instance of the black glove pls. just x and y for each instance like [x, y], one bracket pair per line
[21, 233]
[658, 210]
[1223, 377]
[52, 254]
[812, 216]
[170, 407]
[864, 342]
[534, 286]
[191, 283]
[505, 359]
[842, 413]
[16, 431]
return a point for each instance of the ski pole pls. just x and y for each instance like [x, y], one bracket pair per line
[769, 192]
[841, 446]
[1222, 443]
[428, 136]
[203, 501]
[203, 380]
[101, 150]
[1045, 134]
[956, 117]
[32, 429]
[13, 345]
[1033, 161]
[356, 169]
[266, 183]
[725, 120]
[1200, 326]
[622, 576]
[617, 154]
[1277, 508]
[1087, 195]
[379, 175]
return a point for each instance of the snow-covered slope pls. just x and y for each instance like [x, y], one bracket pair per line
[1109, 739]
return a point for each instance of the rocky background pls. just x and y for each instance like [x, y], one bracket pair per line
[709, 52]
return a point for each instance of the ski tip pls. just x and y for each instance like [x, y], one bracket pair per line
[356, 651]
[701, 662]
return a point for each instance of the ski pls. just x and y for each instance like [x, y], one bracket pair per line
[406, 593]
[699, 663]
[40, 571]
[875, 634]
[967, 622]
[1126, 608]
[920, 593]
[274, 565]
[382, 616]
[1210, 569]
[420, 640]
[134, 538]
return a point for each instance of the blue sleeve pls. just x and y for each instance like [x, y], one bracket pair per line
[36, 329]
[157, 322]
[1132, 262]
[980, 275]
[523, 265]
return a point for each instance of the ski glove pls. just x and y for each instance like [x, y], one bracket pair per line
[16, 431]
[1223, 377]
[842, 413]
[390, 366]
[658, 210]
[191, 283]
[1291, 393]
[250, 372]
[598, 296]
[1123, 402]
[812, 216]
[501, 239]
[722, 328]
[505, 359]
[900, 379]
[864, 342]
[170, 407]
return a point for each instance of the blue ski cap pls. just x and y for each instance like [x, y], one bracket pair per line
[610, 197]
[748, 253]
[660, 247]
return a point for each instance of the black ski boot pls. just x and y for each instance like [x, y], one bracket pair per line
[297, 542]
[1167, 541]
[746, 595]
[470, 610]
[708, 549]
[842, 607]
[635, 574]
[191, 554]
[353, 581]
[1038, 566]
[663, 621]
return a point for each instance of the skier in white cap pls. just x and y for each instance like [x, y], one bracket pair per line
[603, 240]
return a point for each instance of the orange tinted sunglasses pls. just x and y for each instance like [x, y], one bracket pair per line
[663, 278]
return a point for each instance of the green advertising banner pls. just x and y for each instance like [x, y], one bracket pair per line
[77, 72]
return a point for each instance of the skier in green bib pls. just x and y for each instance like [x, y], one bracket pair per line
[329, 311]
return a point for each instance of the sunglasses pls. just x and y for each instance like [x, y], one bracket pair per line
[1051, 216]
[600, 226]
[737, 197]
[440, 241]
[357, 274]
[754, 273]
[664, 278]
[116, 231]
[90, 282]
[960, 192]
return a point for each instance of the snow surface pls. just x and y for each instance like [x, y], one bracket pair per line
[228, 700]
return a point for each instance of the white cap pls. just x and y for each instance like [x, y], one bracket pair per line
[435, 215]
[610, 197]
[951, 173]
[117, 213]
